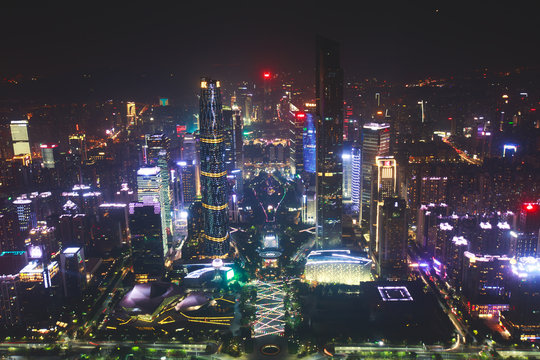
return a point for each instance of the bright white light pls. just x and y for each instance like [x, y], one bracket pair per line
[35, 252]
[459, 240]
[376, 126]
[446, 226]
[394, 293]
[71, 250]
[112, 205]
[149, 171]
[485, 225]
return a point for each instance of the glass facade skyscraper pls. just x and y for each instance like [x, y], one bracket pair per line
[310, 145]
[213, 172]
[356, 180]
[375, 142]
[347, 172]
[329, 113]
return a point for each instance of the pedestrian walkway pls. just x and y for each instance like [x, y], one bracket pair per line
[269, 308]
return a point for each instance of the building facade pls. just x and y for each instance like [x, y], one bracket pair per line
[214, 186]
[329, 117]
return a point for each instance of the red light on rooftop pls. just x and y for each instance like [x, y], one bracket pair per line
[266, 75]
[530, 207]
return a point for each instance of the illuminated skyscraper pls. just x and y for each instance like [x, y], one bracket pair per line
[529, 217]
[310, 145]
[188, 177]
[296, 137]
[25, 214]
[238, 141]
[157, 147]
[19, 136]
[329, 96]
[392, 250]
[526, 241]
[77, 146]
[73, 268]
[214, 187]
[131, 114]
[150, 192]
[268, 111]
[248, 109]
[228, 138]
[375, 142]
[148, 185]
[49, 155]
[190, 154]
[112, 228]
[384, 185]
[356, 177]
[146, 241]
[347, 173]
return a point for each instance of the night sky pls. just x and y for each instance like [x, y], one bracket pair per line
[236, 40]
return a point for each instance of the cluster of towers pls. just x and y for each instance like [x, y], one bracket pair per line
[362, 175]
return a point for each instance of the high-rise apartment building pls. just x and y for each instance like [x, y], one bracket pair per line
[329, 117]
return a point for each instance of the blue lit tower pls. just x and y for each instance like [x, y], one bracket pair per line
[329, 96]
[310, 145]
[213, 174]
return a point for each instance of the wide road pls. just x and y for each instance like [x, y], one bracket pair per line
[462, 154]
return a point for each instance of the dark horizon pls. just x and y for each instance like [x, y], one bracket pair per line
[136, 48]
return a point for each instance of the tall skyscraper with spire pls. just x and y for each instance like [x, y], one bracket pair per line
[329, 95]
[213, 172]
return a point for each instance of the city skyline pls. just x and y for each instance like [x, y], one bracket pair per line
[348, 181]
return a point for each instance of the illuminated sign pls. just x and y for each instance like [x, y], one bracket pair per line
[180, 129]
